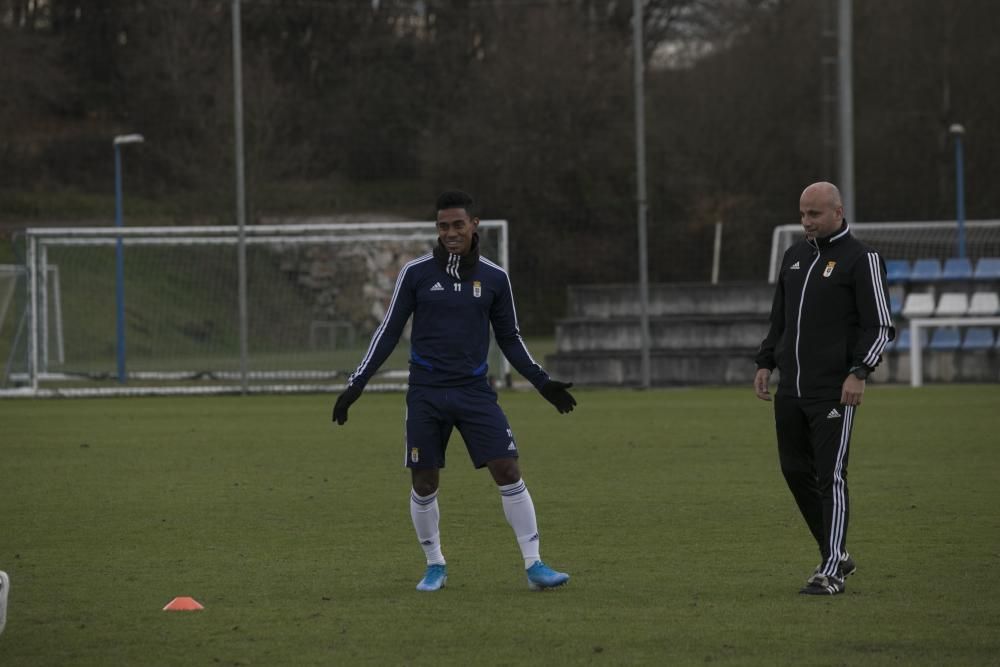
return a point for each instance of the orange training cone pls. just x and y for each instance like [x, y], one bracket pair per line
[183, 604]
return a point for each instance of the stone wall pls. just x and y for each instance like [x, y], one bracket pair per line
[347, 282]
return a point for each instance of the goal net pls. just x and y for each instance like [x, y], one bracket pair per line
[904, 240]
[314, 294]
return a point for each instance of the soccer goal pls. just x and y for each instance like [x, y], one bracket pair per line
[904, 240]
[13, 316]
[315, 293]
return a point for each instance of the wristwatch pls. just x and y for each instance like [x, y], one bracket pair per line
[861, 371]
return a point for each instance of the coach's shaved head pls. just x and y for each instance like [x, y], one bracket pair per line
[821, 210]
[824, 190]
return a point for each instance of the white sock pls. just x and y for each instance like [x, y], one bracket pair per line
[426, 517]
[520, 513]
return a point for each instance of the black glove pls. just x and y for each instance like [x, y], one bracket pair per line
[556, 394]
[344, 401]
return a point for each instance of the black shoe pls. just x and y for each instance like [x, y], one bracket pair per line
[820, 584]
[846, 567]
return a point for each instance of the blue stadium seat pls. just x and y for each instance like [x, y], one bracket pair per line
[987, 268]
[897, 270]
[957, 268]
[946, 338]
[926, 269]
[895, 304]
[902, 342]
[978, 338]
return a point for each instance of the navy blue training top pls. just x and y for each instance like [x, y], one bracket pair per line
[450, 337]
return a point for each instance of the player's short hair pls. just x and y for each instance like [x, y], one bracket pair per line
[455, 199]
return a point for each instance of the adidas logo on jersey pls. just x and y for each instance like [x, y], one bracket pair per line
[794, 267]
[437, 288]
[511, 446]
[833, 414]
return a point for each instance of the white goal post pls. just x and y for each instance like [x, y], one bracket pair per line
[918, 324]
[910, 241]
[903, 240]
[316, 291]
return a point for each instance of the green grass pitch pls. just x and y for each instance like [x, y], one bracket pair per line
[667, 507]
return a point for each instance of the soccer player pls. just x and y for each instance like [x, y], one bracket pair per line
[830, 323]
[454, 296]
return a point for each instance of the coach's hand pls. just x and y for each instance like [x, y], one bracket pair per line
[344, 401]
[852, 391]
[556, 394]
[760, 382]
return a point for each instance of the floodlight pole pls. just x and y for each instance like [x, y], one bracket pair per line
[241, 214]
[640, 170]
[845, 96]
[958, 131]
[119, 141]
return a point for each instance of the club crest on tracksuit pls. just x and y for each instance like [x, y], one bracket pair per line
[829, 269]
[477, 289]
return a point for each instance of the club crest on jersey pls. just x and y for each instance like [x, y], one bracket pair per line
[415, 454]
[829, 269]
[477, 289]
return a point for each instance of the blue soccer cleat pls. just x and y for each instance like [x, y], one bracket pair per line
[541, 576]
[434, 579]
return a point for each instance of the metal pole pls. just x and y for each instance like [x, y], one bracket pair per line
[119, 270]
[57, 311]
[504, 251]
[43, 306]
[241, 248]
[958, 131]
[916, 356]
[640, 168]
[33, 309]
[845, 93]
[119, 250]
[716, 253]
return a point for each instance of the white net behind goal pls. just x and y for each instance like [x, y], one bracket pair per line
[315, 293]
[904, 240]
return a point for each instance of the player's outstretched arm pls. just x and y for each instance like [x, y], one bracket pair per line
[344, 401]
[556, 394]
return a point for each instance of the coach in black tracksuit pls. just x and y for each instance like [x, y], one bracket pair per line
[830, 322]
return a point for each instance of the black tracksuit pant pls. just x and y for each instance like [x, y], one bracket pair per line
[814, 437]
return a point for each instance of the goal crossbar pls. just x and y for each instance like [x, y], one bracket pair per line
[783, 236]
[278, 236]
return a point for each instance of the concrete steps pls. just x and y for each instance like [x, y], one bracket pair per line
[611, 301]
[699, 333]
[667, 367]
[704, 334]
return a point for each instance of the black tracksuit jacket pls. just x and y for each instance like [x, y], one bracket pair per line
[830, 313]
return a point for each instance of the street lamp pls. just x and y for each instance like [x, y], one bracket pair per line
[119, 141]
[958, 132]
